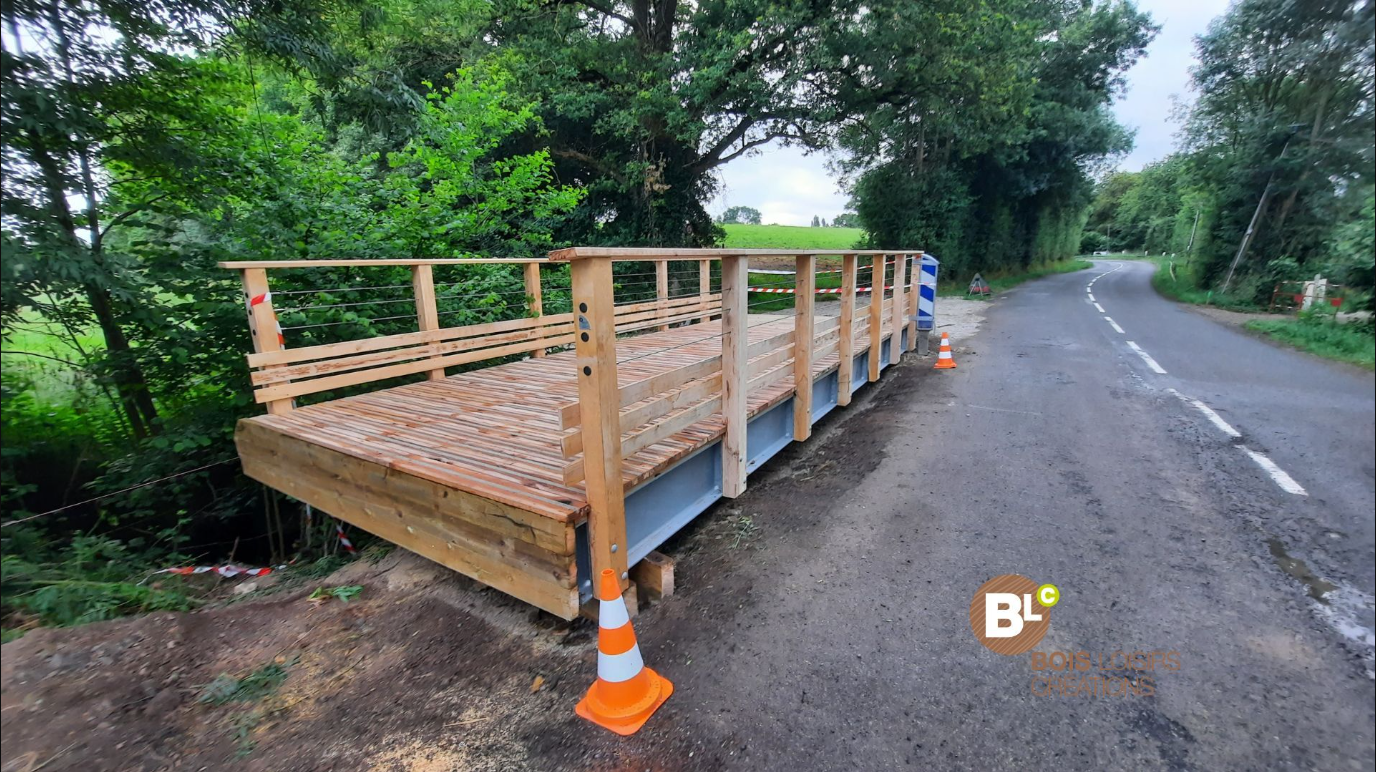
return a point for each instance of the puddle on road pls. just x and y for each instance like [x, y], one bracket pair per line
[1317, 588]
[1349, 611]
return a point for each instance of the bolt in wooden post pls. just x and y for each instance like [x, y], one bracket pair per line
[805, 267]
[599, 404]
[735, 347]
[704, 288]
[427, 313]
[900, 305]
[662, 291]
[846, 345]
[262, 323]
[876, 314]
[537, 304]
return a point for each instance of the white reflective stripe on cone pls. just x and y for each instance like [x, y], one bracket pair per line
[620, 667]
[612, 614]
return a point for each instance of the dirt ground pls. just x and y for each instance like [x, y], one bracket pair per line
[1234, 318]
[425, 670]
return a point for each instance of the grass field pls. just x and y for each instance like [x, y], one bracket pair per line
[791, 237]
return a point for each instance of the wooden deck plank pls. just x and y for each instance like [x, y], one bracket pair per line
[495, 432]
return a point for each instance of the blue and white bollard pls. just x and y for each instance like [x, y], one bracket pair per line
[926, 302]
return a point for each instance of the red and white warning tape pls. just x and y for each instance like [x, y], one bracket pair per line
[225, 571]
[263, 298]
[231, 570]
[344, 540]
[824, 291]
[784, 272]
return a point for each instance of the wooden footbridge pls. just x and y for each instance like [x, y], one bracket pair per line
[622, 422]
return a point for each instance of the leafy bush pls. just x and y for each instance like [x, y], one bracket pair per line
[92, 579]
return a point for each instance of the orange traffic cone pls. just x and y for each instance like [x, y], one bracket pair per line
[943, 357]
[625, 692]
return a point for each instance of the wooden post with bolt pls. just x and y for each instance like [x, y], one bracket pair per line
[735, 353]
[805, 281]
[661, 291]
[704, 288]
[262, 323]
[914, 292]
[900, 307]
[537, 303]
[427, 312]
[846, 345]
[599, 403]
[876, 314]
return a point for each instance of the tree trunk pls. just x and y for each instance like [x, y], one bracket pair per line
[1315, 132]
[129, 381]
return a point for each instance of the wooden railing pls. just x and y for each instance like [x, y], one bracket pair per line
[280, 374]
[611, 422]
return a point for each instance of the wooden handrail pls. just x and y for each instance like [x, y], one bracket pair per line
[239, 265]
[623, 254]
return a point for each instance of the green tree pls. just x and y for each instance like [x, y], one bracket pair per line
[1280, 136]
[1005, 184]
[846, 220]
[740, 215]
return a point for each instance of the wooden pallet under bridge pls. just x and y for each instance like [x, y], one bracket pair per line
[623, 422]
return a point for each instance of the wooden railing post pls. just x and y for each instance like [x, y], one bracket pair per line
[704, 288]
[262, 323]
[735, 348]
[805, 267]
[599, 404]
[846, 345]
[876, 314]
[900, 305]
[914, 278]
[537, 303]
[427, 313]
[662, 290]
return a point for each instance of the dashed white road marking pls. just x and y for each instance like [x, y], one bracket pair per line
[1279, 476]
[1156, 368]
[1099, 308]
[1214, 418]
[1091, 297]
[1285, 481]
[1115, 326]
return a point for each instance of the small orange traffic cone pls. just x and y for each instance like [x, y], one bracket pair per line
[625, 692]
[943, 357]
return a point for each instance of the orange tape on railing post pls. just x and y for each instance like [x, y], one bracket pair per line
[262, 323]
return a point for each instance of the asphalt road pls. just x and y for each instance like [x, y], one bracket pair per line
[838, 635]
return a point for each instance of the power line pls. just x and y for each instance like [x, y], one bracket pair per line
[116, 493]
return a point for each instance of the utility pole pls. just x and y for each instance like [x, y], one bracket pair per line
[1189, 249]
[1252, 226]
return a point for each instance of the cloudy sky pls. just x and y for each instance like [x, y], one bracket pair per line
[789, 187]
